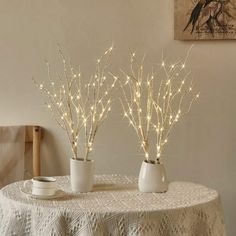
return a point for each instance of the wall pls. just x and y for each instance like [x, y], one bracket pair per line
[202, 149]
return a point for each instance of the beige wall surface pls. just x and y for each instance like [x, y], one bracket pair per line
[202, 148]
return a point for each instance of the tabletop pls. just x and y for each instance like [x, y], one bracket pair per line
[114, 207]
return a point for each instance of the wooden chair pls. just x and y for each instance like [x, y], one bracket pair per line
[33, 136]
[31, 144]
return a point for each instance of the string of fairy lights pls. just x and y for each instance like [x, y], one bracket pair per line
[80, 105]
[153, 103]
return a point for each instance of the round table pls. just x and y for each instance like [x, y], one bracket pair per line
[115, 207]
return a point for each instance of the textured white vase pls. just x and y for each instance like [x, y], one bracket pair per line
[152, 178]
[81, 175]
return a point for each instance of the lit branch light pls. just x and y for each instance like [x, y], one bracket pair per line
[154, 102]
[78, 104]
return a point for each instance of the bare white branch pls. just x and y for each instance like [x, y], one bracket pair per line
[78, 106]
[153, 103]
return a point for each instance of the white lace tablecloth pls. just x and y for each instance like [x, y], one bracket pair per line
[115, 207]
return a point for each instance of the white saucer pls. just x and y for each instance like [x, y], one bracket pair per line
[28, 191]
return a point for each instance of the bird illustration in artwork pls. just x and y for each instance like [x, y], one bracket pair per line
[210, 16]
[196, 13]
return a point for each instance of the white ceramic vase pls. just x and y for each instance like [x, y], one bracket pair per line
[152, 178]
[81, 175]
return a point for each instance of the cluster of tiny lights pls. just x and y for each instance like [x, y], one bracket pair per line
[80, 106]
[153, 103]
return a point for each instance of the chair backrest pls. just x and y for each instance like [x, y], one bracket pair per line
[19, 153]
[33, 135]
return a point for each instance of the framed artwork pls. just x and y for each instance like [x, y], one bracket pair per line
[205, 19]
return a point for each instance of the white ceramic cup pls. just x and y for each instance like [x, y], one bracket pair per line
[42, 185]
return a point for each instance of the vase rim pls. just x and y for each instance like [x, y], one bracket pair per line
[151, 162]
[81, 159]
